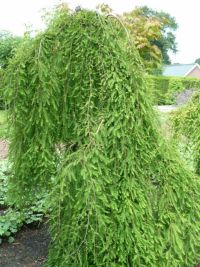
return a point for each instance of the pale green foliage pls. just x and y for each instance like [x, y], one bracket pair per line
[120, 195]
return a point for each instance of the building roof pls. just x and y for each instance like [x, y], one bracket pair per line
[179, 70]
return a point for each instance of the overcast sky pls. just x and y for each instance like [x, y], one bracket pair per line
[14, 14]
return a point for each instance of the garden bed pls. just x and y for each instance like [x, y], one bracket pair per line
[28, 250]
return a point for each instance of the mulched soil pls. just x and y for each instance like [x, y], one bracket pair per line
[28, 250]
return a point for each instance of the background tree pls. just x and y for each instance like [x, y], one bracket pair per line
[145, 32]
[8, 45]
[154, 34]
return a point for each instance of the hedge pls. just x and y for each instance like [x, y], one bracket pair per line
[165, 89]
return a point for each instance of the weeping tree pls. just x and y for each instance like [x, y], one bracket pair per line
[186, 122]
[120, 195]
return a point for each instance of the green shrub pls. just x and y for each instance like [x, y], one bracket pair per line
[121, 195]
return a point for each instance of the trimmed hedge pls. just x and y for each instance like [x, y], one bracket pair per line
[164, 89]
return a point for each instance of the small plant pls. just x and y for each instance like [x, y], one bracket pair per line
[13, 218]
[3, 182]
[10, 222]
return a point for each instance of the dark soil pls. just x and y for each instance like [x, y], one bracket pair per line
[28, 250]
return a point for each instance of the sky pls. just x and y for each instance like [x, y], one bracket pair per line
[15, 14]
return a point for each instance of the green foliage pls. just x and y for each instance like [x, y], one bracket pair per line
[2, 105]
[145, 31]
[175, 87]
[4, 133]
[120, 195]
[10, 222]
[181, 142]
[8, 45]
[3, 182]
[159, 88]
[165, 89]
[186, 121]
[13, 218]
